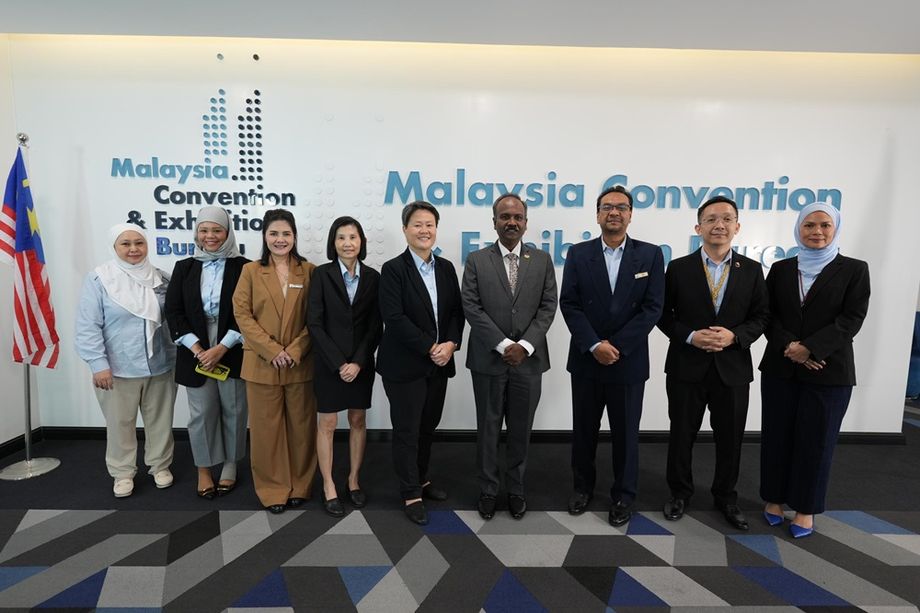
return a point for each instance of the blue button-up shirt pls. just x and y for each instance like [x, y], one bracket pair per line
[426, 269]
[351, 282]
[715, 272]
[212, 283]
[109, 337]
[612, 259]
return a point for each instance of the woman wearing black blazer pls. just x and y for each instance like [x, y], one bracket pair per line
[199, 310]
[423, 318]
[344, 319]
[818, 301]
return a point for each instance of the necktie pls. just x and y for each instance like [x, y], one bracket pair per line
[512, 270]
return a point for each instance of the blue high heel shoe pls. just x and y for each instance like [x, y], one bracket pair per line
[799, 532]
[773, 520]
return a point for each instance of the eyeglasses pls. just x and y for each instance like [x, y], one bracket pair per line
[708, 221]
[622, 208]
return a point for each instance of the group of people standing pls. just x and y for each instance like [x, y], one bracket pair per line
[283, 346]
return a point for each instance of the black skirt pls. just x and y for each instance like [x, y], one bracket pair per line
[334, 395]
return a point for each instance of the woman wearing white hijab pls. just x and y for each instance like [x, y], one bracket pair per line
[199, 310]
[120, 334]
[818, 301]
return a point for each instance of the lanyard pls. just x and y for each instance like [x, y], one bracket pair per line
[715, 288]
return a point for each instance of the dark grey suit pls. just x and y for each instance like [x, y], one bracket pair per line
[502, 391]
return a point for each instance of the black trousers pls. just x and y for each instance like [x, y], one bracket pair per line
[728, 407]
[799, 431]
[511, 397]
[415, 412]
[624, 410]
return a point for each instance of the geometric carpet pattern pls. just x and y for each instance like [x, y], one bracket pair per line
[377, 561]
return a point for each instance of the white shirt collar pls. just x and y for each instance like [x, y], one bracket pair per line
[504, 251]
[344, 268]
[419, 262]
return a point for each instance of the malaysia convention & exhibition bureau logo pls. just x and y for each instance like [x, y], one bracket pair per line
[232, 151]
[463, 189]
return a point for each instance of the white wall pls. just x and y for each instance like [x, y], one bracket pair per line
[340, 117]
[12, 422]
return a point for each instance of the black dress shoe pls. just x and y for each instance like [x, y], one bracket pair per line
[486, 506]
[334, 507]
[357, 498]
[417, 513]
[517, 506]
[207, 493]
[674, 509]
[619, 514]
[432, 493]
[735, 517]
[578, 503]
[275, 509]
[296, 502]
[225, 488]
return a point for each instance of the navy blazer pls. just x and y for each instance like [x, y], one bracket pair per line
[185, 313]
[826, 323]
[688, 307]
[409, 320]
[344, 332]
[624, 317]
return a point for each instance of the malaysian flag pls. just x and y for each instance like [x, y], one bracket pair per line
[35, 340]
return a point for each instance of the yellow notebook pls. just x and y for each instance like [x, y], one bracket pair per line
[219, 372]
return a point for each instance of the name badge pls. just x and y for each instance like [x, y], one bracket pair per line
[639, 275]
[295, 286]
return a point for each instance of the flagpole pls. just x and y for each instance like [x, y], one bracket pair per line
[30, 467]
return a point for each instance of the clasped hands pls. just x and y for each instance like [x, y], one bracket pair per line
[514, 354]
[283, 360]
[440, 353]
[606, 354]
[800, 354]
[348, 371]
[712, 339]
[209, 358]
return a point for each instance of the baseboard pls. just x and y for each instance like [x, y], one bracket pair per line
[15, 445]
[458, 436]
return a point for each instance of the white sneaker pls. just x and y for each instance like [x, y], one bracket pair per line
[163, 478]
[123, 488]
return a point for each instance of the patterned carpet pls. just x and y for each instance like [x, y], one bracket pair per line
[166, 550]
[377, 561]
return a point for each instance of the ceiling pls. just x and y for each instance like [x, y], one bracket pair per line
[855, 26]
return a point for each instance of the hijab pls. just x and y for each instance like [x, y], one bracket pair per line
[130, 286]
[812, 261]
[221, 217]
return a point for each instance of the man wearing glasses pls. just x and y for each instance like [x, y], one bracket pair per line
[611, 298]
[715, 307]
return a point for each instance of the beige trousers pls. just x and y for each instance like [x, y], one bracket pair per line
[155, 397]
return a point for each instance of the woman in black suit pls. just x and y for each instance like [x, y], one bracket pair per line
[344, 319]
[199, 310]
[818, 301]
[423, 317]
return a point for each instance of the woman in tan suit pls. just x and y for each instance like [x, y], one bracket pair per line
[270, 305]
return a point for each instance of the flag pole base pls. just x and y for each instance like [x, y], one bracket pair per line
[27, 469]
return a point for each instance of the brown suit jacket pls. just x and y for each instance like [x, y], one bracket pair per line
[271, 322]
